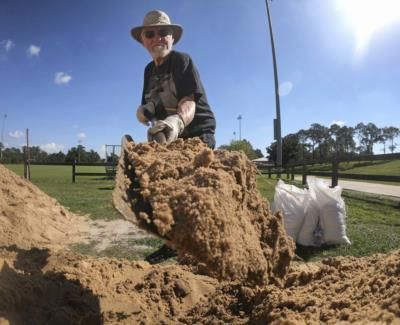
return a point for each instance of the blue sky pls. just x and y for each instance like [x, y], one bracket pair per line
[70, 72]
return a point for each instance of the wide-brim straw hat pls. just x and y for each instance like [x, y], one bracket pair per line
[157, 18]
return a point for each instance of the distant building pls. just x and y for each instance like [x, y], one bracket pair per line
[263, 163]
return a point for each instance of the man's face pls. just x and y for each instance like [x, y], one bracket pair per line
[158, 41]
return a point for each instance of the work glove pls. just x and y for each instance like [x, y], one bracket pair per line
[155, 129]
[145, 112]
[172, 127]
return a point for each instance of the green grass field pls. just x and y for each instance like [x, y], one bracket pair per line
[363, 167]
[373, 223]
[386, 168]
[374, 168]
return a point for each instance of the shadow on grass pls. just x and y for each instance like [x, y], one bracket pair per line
[106, 188]
[374, 199]
[30, 296]
[309, 252]
[106, 178]
[369, 163]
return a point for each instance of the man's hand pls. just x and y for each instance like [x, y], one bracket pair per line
[172, 127]
[157, 127]
[143, 112]
[155, 133]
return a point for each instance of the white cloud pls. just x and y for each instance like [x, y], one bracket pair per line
[81, 136]
[5, 47]
[340, 123]
[7, 44]
[285, 88]
[62, 78]
[16, 134]
[33, 50]
[52, 147]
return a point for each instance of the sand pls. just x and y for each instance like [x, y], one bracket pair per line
[43, 282]
[30, 218]
[206, 203]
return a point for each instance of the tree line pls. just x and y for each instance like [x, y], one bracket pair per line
[245, 146]
[321, 142]
[315, 143]
[79, 154]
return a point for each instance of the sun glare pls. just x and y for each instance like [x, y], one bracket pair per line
[367, 17]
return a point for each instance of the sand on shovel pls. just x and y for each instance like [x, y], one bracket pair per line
[207, 205]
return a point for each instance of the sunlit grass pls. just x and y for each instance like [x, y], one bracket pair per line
[362, 167]
[266, 187]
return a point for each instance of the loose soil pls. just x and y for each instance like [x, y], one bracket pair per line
[43, 282]
[207, 205]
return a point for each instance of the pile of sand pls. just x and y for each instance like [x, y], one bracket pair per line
[207, 204]
[30, 218]
[47, 286]
[345, 290]
[66, 288]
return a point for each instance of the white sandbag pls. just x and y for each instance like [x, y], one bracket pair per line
[310, 233]
[332, 211]
[290, 200]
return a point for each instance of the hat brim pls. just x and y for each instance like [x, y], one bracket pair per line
[177, 31]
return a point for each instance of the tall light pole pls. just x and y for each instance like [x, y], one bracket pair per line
[277, 120]
[79, 150]
[240, 127]
[2, 137]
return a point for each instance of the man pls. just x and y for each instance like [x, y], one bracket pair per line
[173, 97]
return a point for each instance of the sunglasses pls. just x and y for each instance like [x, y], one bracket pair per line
[161, 32]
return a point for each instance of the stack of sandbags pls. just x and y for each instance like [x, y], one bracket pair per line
[315, 216]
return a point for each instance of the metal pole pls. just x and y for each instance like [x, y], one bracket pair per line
[79, 150]
[2, 137]
[28, 156]
[73, 170]
[240, 127]
[278, 136]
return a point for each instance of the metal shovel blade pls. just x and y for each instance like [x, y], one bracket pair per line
[126, 195]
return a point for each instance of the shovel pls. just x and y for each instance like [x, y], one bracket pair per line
[126, 195]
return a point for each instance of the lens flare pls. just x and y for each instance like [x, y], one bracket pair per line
[367, 17]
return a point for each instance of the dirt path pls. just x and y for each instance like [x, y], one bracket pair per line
[373, 188]
[107, 233]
